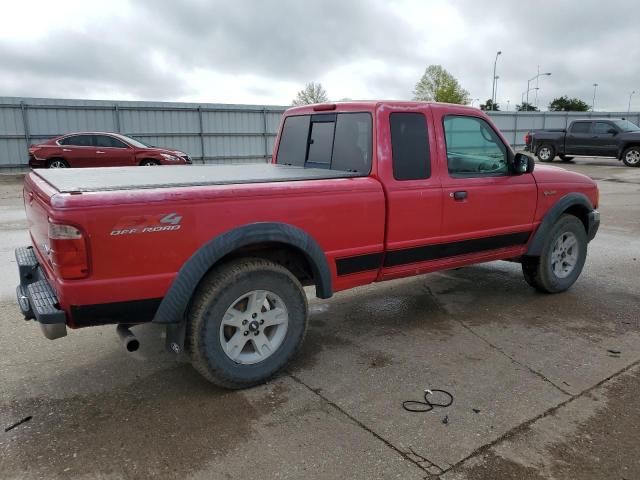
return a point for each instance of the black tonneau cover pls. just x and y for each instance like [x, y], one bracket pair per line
[67, 180]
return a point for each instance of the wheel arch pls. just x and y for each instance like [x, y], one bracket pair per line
[282, 243]
[625, 146]
[576, 204]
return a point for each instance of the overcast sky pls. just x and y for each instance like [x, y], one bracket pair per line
[263, 52]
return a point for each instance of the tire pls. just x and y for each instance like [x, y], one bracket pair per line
[227, 287]
[149, 163]
[565, 158]
[539, 272]
[546, 153]
[57, 163]
[631, 156]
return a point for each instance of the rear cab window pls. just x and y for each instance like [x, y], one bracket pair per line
[336, 141]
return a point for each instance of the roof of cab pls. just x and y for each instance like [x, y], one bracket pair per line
[367, 105]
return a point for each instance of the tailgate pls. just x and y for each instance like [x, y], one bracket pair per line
[37, 202]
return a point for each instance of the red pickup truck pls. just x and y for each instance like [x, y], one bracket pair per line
[357, 192]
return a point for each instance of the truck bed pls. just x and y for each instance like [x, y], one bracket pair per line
[133, 178]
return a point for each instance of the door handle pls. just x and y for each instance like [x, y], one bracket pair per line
[99, 151]
[459, 195]
[66, 149]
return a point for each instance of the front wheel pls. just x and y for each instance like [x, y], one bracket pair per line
[149, 163]
[247, 320]
[562, 259]
[546, 153]
[631, 157]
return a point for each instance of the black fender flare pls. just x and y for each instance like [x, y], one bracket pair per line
[175, 302]
[550, 218]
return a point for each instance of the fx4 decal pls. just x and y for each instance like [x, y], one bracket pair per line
[147, 224]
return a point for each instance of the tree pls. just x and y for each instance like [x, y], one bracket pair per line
[439, 85]
[526, 107]
[311, 93]
[566, 104]
[489, 105]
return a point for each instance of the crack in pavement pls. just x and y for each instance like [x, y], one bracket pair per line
[422, 463]
[522, 426]
[499, 350]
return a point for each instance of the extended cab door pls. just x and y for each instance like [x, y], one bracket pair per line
[578, 138]
[407, 145]
[485, 206]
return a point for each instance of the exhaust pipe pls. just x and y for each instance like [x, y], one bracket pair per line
[129, 340]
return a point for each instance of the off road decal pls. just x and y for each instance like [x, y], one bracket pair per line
[165, 222]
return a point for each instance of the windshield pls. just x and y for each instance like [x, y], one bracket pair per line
[134, 142]
[626, 125]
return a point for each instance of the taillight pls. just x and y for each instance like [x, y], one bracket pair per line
[67, 251]
[527, 139]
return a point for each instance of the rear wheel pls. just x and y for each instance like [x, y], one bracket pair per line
[545, 153]
[247, 320]
[149, 163]
[562, 259]
[631, 156]
[57, 163]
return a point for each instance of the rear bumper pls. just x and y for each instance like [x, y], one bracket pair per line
[593, 225]
[36, 298]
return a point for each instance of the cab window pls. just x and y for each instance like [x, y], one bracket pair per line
[473, 148]
[580, 127]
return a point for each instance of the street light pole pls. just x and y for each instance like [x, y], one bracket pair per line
[493, 80]
[495, 95]
[531, 80]
[629, 105]
[593, 102]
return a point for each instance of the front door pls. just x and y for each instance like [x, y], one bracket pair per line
[111, 152]
[485, 206]
[578, 138]
[603, 140]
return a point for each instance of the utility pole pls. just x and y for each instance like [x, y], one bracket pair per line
[532, 79]
[493, 80]
[593, 102]
[629, 105]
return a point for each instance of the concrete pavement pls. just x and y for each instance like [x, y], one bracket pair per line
[537, 391]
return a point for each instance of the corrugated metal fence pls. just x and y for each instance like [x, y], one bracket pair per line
[210, 133]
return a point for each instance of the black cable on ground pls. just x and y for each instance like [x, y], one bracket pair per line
[427, 405]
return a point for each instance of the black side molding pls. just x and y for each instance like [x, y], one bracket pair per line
[175, 302]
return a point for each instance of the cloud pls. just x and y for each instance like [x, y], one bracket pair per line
[263, 52]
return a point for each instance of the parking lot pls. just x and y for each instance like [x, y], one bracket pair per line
[544, 386]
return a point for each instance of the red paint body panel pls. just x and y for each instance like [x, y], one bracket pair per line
[346, 216]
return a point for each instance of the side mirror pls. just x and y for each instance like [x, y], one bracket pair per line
[522, 164]
[612, 131]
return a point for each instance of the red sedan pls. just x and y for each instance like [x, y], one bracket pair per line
[99, 149]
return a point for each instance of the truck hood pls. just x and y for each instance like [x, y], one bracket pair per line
[551, 174]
